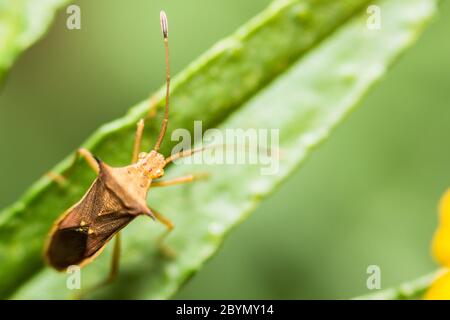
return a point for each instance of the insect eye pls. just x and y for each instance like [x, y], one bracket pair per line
[142, 155]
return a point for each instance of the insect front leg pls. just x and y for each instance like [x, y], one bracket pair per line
[81, 153]
[140, 129]
[138, 140]
[88, 157]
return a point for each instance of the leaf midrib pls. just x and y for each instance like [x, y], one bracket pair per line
[267, 82]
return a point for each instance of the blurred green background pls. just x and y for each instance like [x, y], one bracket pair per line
[368, 196]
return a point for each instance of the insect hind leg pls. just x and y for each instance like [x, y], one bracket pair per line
[114, 270]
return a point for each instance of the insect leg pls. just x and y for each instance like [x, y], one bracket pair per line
[56, 177]
[90, 159]
[114, 271]
[175, 181]
[83, 153]
[115, 260]
[140, 129]
[165, 221]
[166, 251]
[137, 140]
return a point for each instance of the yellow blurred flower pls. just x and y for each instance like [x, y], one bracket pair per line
[440, 289]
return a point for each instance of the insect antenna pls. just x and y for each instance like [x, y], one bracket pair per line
[187, 153]
[165, 32]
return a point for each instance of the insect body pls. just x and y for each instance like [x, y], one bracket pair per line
[115, 198]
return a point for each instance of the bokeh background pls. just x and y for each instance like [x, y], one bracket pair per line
[368, 196]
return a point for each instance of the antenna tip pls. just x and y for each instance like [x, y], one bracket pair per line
[164, 24]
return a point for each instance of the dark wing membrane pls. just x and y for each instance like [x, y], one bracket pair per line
[72, 246]
[67, 247]
[87, 226]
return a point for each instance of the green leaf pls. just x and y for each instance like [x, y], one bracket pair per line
[414, 289]
[299, 66]
[22, 22]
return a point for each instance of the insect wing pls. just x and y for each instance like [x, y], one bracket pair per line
[85, 228]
